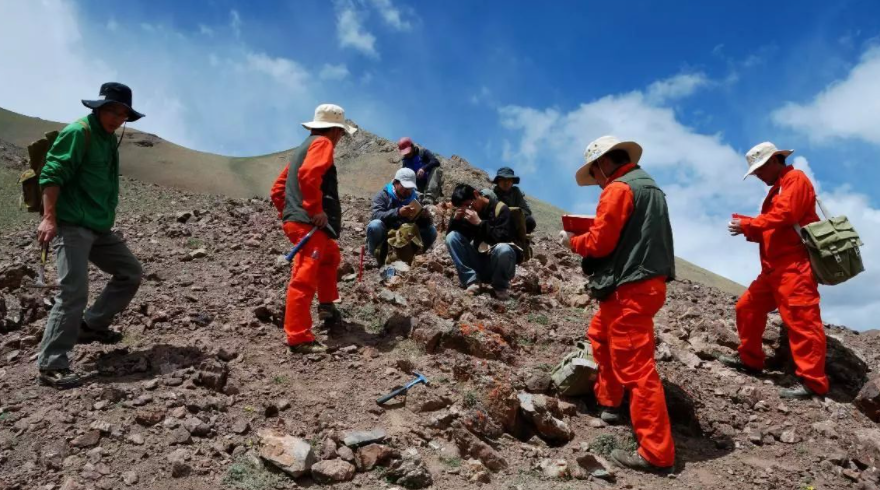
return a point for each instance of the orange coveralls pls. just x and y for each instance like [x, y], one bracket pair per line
[315, 265]
[786, 281]
[622, 332]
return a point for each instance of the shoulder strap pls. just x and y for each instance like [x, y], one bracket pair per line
[825, 213]
[88, 131]
[822, 208]
[499, 207]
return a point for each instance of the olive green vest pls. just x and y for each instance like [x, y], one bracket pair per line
[644, 249]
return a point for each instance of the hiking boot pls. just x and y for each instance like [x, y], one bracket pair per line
[501, 294]
[635, 461]
[799, 392]
[60, 379]
[88, 335]
[735, 362]
[473, 289]
[313, 347]
[329, 315]
[611, 415]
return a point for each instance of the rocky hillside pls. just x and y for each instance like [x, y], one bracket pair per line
[366, 162]
[201, 393]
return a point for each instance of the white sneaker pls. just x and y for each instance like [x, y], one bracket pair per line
[473, 289]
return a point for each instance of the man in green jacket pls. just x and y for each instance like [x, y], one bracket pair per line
[80, 183]
[508, 192]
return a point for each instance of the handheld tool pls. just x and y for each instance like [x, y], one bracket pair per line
[40, 282]
[301, 244]
[420, 378]
[305, 239]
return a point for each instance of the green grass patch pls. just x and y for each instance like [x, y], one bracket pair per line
[470, 399]
[451, 461]
[280, 379]
[368, 315]
[540, 319]
[194, 243]
[245, 475]
[606, 443]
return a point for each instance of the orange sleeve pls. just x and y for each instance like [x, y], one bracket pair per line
[789, 207]
[311, 174]
[278, 190]
[615, 207]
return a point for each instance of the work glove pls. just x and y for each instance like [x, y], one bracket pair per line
[565, 239]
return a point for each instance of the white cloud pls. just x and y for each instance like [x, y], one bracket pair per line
[334, 72]
[284, 71]
[702, 177]
[235, 22]
[209, 93]
[205, 30]
[848, 108]
[350, 30]
[677, 87]
[391, 15]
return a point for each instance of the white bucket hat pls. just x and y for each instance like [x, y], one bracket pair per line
[761, 154]
[600, 147]
[329, 116]
[406, 177]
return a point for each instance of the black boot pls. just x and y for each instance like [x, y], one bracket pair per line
[88, 335]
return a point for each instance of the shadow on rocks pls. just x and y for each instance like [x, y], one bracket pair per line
[355, 333]
[692, 444]
[124, 365]
[846, 370]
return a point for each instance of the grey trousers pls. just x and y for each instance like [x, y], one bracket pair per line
[432, 189]
[74, 248]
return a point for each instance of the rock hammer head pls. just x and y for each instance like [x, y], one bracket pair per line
[420, 378]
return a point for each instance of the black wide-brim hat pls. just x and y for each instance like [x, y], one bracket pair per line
[113, 92]
[505, 173]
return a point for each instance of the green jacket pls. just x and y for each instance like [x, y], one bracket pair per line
[645, 248]
[88, 178]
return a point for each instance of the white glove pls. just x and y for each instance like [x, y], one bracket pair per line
[565, 239]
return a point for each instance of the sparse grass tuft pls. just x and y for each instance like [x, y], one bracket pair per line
[606, 443]
[194, 243]
[280, 379]
[451, 461]
[540, 319]
[245, 475]
[470, 399]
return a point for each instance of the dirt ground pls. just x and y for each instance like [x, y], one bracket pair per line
[180, 403]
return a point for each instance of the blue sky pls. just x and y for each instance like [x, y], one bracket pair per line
[526, 84]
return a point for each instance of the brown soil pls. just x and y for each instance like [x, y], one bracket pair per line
[198, 321]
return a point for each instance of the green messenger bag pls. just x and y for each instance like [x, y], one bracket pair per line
[576, 374]
[833, 245]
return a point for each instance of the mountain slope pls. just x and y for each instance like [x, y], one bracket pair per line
[365, 161]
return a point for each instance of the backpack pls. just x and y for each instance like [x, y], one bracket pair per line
[577, 372]
[833, 245]
[31, 193]
[521, 238]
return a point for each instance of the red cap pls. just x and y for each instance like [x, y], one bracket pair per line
[405, 146]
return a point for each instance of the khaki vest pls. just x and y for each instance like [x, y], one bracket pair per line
[293, 207]
[645, 248]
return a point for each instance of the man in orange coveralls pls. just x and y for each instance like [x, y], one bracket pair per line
[306, 196]
[629, 251]
[786, 281]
